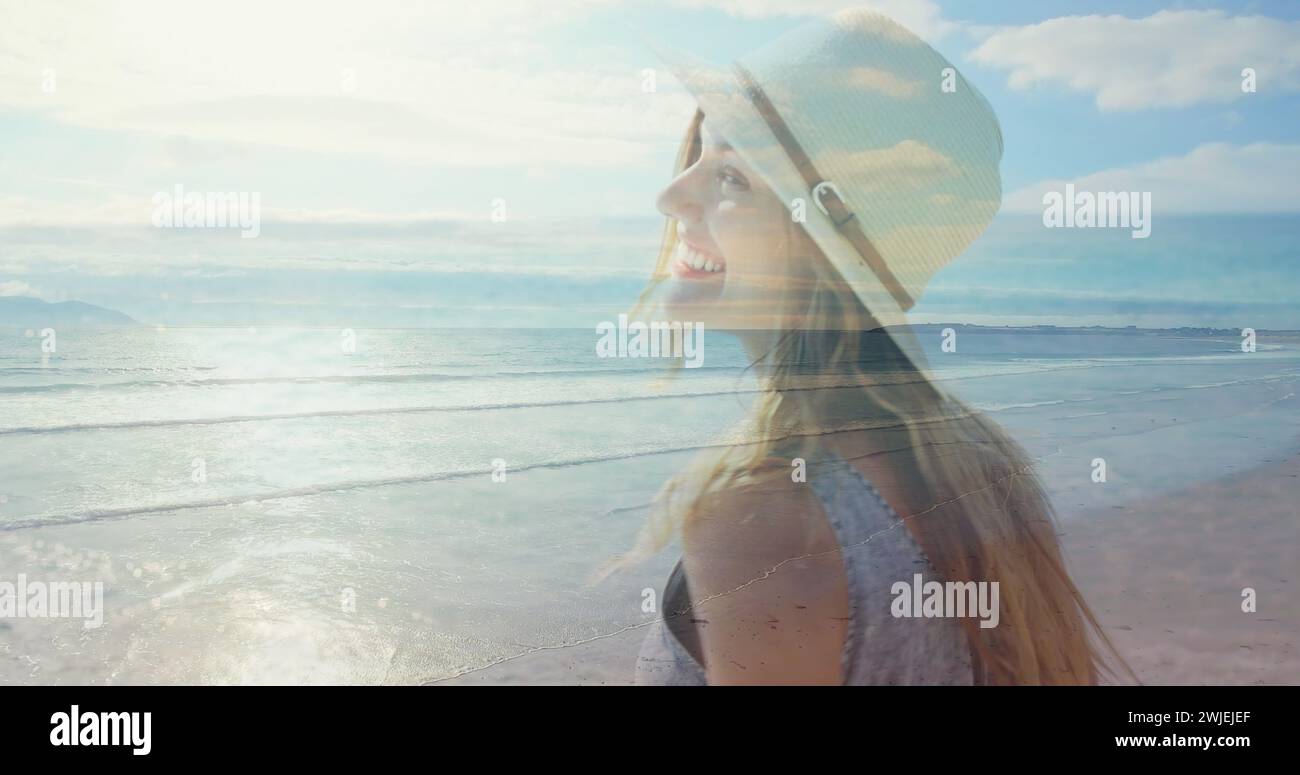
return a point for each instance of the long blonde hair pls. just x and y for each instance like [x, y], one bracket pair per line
[988, 517]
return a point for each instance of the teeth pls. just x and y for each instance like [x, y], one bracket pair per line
[697, 261]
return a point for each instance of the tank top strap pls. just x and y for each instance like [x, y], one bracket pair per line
[878, 551]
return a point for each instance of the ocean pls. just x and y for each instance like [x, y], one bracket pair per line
[310, 505]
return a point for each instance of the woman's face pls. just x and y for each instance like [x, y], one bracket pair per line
[732, 265]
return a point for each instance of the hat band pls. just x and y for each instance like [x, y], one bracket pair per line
[825, 193]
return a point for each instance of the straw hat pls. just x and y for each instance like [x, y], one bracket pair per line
[891, 156]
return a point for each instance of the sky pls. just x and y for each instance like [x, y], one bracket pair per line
[381, 137]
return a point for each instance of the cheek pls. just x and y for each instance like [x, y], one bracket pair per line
[753, 242]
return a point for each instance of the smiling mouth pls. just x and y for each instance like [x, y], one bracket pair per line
[691, 262]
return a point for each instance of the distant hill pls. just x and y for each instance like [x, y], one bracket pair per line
[26, 311]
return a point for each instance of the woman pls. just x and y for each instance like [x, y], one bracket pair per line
[824, 180]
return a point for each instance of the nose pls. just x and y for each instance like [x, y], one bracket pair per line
[681, 199]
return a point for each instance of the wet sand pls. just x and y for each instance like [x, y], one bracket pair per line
[1164, 575]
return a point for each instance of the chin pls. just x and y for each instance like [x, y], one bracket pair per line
[691, 300]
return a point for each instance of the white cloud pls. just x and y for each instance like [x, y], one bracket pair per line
[445, 83]
[909, 164]
[1213, 178]
[437, 83]
[882, 81]
[582, 248]
[923, 17]
[116, 210]
[125, 210]
[1168, 59]
[16, 288]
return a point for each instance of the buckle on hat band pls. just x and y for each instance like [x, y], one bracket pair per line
[845, 215]
[833, 207]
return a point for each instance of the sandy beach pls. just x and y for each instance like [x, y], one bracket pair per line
[348, 530]
[1163, 575]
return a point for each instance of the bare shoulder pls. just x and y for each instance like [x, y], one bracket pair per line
[768, 583]
[768, 515]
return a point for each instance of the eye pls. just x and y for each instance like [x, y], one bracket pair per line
[729, 176]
